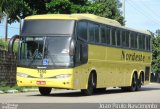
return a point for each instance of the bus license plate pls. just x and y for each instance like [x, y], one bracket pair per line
[41, 82]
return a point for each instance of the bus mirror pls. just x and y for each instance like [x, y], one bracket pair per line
[11, 43]
[84, 53]
[72, 47]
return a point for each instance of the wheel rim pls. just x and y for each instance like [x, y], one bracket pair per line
[91, 84]
[140, 82]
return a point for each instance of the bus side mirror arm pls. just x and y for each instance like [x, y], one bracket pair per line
[11, 43]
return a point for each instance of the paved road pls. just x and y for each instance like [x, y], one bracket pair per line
[149, 94]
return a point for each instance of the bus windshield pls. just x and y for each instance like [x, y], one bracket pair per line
[47, 27]
[45, 51]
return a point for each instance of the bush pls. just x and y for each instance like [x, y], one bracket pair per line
[4, 46]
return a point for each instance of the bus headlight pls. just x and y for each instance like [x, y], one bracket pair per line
[22, 75]
[63, 76]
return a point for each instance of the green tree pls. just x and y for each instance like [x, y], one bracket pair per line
[109, 9]
[12, 8]
[23, 8]
[156, 53]
[68, 6]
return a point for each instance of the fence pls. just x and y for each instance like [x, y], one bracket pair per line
[7, 68]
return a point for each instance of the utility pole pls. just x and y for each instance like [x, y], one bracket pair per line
[20, 24]
[6, 26]
[124, 9]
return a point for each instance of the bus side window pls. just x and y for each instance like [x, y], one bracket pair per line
[147, 43]
[108, 35]
[133, 37]
[123, 38]
[82, 30]
[103, 35]
[127, 38]
[81, 54]
[113, 36]
[118, 32]
[149, 46]
[91, 32]
[141, 41]
[97, 33]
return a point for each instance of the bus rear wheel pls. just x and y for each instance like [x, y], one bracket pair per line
[139, 83]
[91, 85]
[45, 90]
[133, 86]
[124, 89]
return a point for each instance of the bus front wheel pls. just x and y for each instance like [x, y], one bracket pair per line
[91, 85]
[45, 90]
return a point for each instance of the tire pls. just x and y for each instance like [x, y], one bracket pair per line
[139, 83]
[91, 85]
[124, 89]
[100, 90]
[133, 86]
[45, 90]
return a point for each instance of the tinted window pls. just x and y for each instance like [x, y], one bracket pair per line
[97, 33]
[108, 35]
[147, 43]
[103, 35]
[113, 36]
[91, 33]
[118, 37]
[127, 38]
[82, 30]
[47, 27]
[123, 38]
[141, 41]
[133, 37]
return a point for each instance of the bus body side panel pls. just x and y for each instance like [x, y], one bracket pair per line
[115, 66]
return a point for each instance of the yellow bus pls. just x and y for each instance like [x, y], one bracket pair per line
[83, 52]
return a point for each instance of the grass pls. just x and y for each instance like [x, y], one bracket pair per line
[3, 45]
[5, 87]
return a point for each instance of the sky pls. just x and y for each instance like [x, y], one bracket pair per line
[142, 14]
[139, 14]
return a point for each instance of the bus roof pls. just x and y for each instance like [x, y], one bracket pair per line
[90, 17]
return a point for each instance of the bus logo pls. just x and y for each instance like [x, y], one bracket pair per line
[41, 75]
[41, 72]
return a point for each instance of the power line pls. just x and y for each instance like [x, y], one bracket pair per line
[141, 12]
[148, 10]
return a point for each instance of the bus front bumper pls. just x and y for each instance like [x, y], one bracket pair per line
[37, 82]
[55, 78]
